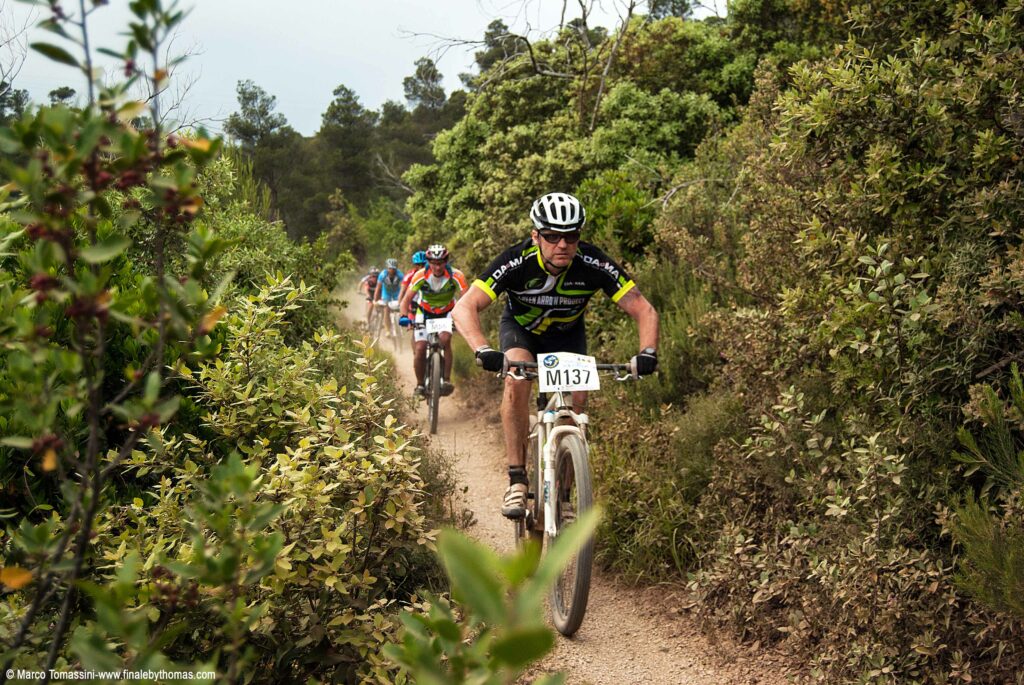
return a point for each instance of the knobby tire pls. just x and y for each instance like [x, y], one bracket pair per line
[434, 363]
[573, 496]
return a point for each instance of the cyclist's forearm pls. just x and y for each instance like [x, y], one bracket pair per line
[646, 317]
[403, 306]
[648, 326]
[467, 323]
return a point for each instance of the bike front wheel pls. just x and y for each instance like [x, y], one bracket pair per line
[434, 363]
[573, 496]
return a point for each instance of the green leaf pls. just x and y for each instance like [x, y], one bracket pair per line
[106, 249]
[551, 679]
[18, 441]
[474, 572]
[520, 647]
[520, 566]
[56, 53]
[557, 558]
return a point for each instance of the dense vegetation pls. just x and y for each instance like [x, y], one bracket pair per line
[198, 470]
[823, 200]
[825, 207]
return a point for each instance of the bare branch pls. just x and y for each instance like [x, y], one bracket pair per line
[611, 60]
[13, 47]
[389, 176]
[674, 189]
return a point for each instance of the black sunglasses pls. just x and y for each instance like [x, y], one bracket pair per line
[554, 236]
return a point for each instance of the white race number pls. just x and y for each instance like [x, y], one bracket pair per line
[567, 371]
[442, 325]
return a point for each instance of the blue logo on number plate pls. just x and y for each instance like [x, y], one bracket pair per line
[550, 361]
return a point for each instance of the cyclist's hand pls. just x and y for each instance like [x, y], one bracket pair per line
[491, 360]
[404, 321]
[645, 363]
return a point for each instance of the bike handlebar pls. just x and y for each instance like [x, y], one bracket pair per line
[623, 372]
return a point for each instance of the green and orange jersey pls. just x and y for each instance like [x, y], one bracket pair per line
[437, 295]
[542, 302]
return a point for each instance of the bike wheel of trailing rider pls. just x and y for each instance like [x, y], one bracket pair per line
[435, 362]
[375, 324]
[396, 340]
[573, 496]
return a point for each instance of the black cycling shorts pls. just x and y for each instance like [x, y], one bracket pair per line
[511, 334]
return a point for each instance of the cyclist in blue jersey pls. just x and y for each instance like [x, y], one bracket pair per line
[389, 282]
[389, 287]
[548, 278]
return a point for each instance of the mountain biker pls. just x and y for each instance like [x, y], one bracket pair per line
[438, 287]
[368, 285]
[389, 285]
[549, 279]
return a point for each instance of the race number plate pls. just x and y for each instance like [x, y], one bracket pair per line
[567, 371]
[442, 325]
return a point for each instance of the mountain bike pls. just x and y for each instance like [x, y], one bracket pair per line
[558, 468]
[388, 322]
[435, 365]
[378, 316]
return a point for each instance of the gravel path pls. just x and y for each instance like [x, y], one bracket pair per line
[629, 635]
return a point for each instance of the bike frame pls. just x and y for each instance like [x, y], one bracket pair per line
[549, 435]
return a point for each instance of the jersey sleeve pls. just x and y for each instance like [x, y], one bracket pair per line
[611, 277]
[497, 277]
[460, 278]
[416, 284]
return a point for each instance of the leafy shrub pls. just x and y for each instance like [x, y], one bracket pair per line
[990, 527]
[502, 630]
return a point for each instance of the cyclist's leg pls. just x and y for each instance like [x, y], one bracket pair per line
[515, 410]
[419, 349]
[419, 360]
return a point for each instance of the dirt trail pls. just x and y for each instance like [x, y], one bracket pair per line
[629, 635]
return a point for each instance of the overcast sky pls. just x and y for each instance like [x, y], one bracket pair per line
[301, 50]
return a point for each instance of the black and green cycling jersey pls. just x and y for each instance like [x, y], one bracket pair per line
[541, 302]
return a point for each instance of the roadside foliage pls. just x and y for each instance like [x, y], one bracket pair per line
[822, 200]
[825, 207]
[198, 470]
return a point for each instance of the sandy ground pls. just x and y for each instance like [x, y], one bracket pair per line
[630, 635]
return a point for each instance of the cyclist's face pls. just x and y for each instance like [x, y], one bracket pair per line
[558, 254]
[437, 266]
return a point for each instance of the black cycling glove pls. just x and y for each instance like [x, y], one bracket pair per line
[646, 362]
[491, 360]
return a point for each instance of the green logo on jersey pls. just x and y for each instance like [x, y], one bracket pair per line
[535, 283]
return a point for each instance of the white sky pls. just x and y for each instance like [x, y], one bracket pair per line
[299, 51]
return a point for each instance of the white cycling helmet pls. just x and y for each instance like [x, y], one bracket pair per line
[391, 264]
[437, 252]
[558, 212]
